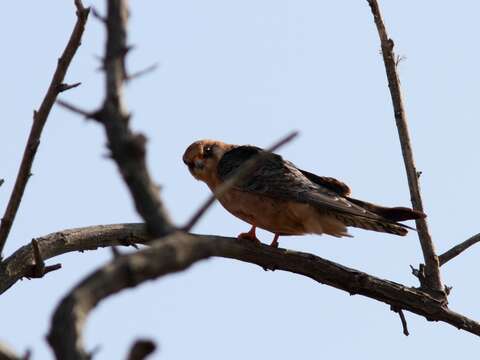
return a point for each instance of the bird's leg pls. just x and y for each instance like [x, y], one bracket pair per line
[275, 241]
[249, 235]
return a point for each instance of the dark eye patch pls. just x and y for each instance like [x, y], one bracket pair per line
[208, 151]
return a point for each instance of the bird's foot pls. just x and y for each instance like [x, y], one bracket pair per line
[275, 241]
[249, 236]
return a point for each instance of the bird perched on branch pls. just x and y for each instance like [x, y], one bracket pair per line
[277, 196]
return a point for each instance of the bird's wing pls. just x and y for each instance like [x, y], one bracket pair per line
[330, 183]
[276, 178]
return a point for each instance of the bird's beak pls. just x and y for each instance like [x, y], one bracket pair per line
[194, 165]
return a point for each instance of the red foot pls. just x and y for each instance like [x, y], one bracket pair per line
[249, 235]
[275, 241]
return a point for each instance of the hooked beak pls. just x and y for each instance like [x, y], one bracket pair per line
[195, 165]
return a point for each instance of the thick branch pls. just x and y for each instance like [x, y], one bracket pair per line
[458, 249]
[39, 120]
[432, 271]
[20, 263]
[178, 251]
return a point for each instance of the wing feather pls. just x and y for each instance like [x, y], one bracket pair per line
[277, 178]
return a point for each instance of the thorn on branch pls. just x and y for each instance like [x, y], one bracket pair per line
[38, 269]
[402, 319]
[129, 241]
[96, 14]
[448, 289]
[419, 274]
[141, 349]
[2, 181]
[64, 87]
[77, 110]
[143, 72]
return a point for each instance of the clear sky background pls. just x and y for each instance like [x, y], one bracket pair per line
[249, 72]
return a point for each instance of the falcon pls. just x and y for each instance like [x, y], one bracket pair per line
[285, 200]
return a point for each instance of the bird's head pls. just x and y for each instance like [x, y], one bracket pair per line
[202, 158]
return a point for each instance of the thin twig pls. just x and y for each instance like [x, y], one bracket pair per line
[402, 319]
[38, 269]
[65, 87]
[432, 271]
[458, 249]
[39, 120]
[76, 109]
[142, 72]
[240, 173]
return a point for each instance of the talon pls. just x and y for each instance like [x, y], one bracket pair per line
[249, 235]
[275, 241]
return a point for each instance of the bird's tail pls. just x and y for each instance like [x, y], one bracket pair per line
[384, 226]
[390, 215]
[398, 213]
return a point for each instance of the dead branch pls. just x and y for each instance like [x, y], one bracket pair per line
[458, 249]
[39, 120]
[402, 319]
[433, 280]
[247, 168]
[127, 148]
[178, 251]
[20, 263]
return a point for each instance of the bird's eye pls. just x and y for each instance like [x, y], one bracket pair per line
[208, 151]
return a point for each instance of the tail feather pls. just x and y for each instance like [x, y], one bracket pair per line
[398, 213]
[375, 225]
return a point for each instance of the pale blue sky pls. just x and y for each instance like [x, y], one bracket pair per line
[249, 72]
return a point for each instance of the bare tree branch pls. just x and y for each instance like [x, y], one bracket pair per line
[243, 171]
[458, 249]
[127, 148]
[178, 251]
[39, 120]
[20, 263]
[141, 349]
[402, 319]
[433, 280]
[75, 109]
